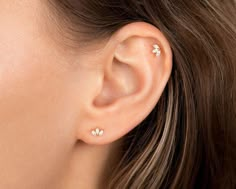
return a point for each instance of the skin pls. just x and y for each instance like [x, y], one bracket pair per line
[52, 97]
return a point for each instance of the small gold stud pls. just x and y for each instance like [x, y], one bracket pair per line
[156, 50]
[97, 132]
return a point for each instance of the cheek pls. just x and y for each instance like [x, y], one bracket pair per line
[33, 115]
[34, 110]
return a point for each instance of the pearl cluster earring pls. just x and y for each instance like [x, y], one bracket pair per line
[97, 132]
[156, 50]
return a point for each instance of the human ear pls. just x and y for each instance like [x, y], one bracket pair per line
[132, 77]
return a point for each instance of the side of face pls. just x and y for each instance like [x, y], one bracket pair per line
[34, 93]
[52, 96]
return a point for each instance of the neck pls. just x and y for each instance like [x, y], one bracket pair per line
[89, 166]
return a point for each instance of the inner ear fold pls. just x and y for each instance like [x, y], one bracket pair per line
[119, 81]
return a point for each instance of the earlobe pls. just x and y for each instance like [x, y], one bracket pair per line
[135, 73]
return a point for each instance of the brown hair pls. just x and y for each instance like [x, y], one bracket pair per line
[187, 140]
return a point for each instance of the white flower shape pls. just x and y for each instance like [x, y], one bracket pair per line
[97, 132]
[156, 50]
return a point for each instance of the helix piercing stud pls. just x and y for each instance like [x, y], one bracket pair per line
[97, 132]
[156, 50]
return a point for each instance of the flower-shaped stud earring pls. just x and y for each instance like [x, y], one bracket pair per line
[97, 132]
[156, 50]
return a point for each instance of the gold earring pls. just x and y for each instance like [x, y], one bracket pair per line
[97, 132]
[156, 50]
